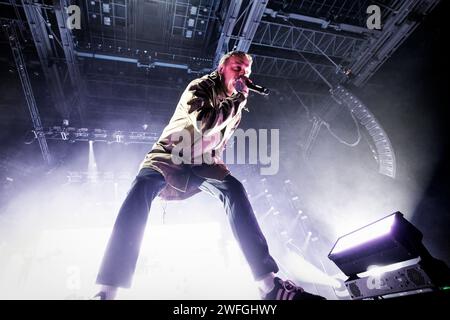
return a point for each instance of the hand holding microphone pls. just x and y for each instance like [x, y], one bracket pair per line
[256, 88]
[241, 86]
[247, 83]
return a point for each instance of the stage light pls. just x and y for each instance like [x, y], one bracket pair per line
[365, 234]
[388, 240]
[387, 258]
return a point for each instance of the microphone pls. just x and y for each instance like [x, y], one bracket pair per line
[256, 88]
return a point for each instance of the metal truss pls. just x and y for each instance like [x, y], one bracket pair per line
[229, 22]
[256, 31]
[45, 49]
[351, 46]
[161, 60]
[336, 12]
[144, 84]
[395, 30]
[281, 36]
[290, 69]
[245, 38]
[71, 134]
[27, 89]
[54, 43]
[69, 54]
[328, 23]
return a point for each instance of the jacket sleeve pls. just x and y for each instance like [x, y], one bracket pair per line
[206, 117]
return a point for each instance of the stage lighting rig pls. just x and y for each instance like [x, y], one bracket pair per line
[396, 245]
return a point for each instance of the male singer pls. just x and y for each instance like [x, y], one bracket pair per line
[206, 116]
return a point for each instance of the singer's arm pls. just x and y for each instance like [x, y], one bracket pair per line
[205, 116]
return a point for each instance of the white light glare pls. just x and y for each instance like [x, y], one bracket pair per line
[365, 234]
[378, 271]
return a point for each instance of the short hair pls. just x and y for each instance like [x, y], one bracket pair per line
[230, 54]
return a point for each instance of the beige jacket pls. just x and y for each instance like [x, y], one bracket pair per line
[204, 120]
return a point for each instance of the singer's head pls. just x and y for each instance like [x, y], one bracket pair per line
[234, 65]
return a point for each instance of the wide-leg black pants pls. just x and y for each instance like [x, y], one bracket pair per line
[119, 262]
